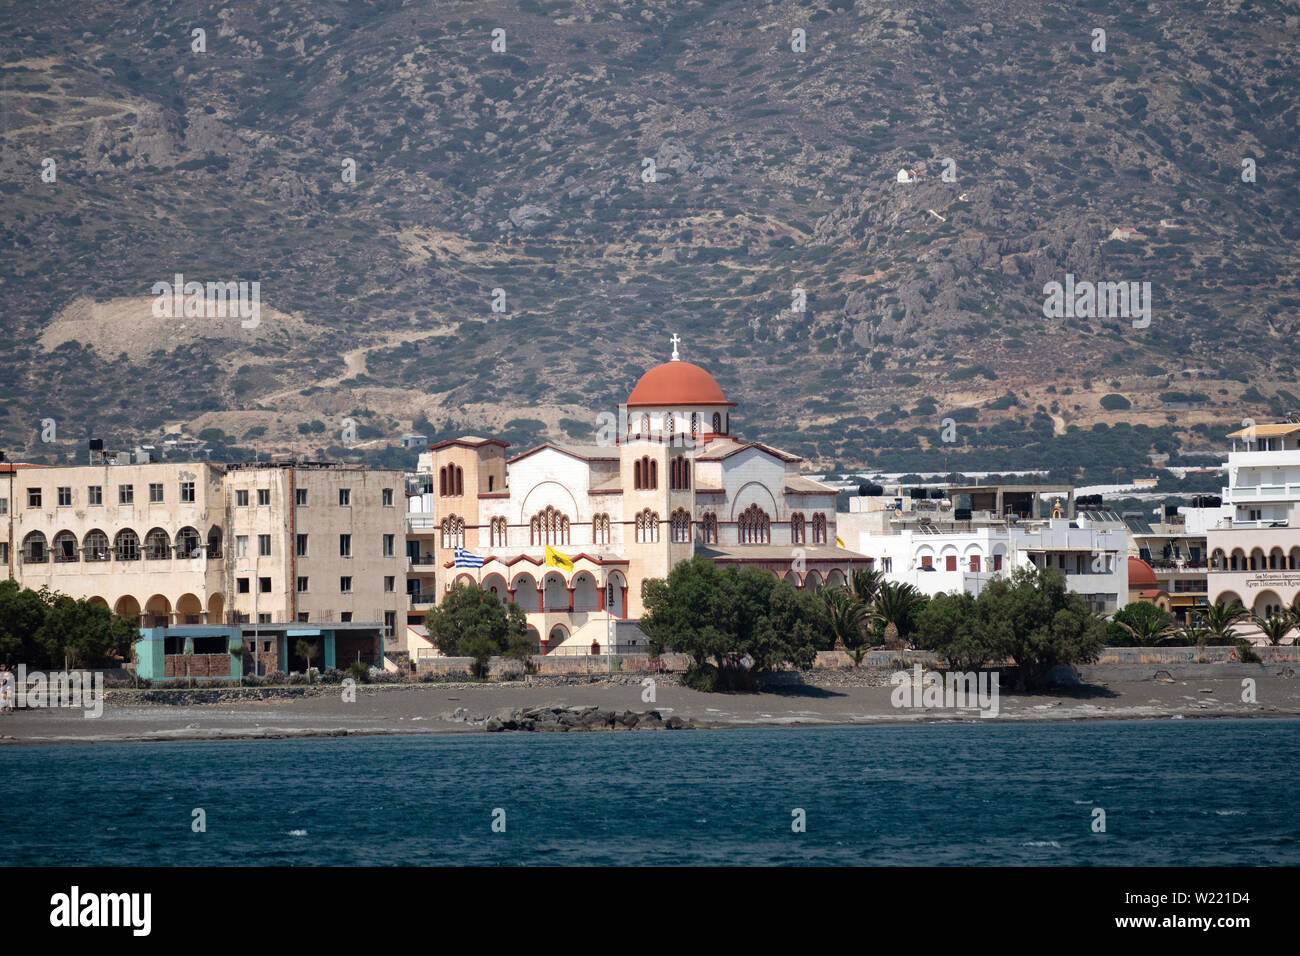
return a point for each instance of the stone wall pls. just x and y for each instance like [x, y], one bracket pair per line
[557, 665]
[1190, 655]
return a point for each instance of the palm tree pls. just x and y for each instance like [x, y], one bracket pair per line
[1275, 628]
[1219, 619]
[306, 649]
[865, 585]
[1193, 633]
[1149, 630]
[848, 621]
[895, 607]
[1294, 610]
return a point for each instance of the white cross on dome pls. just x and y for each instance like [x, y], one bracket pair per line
[675, 339]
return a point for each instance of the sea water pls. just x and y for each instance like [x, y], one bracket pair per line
[1187, 792]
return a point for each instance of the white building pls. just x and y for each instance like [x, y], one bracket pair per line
[1254, 538]
[941, 545]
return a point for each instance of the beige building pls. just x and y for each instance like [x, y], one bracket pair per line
[666, 481]
[191, 543]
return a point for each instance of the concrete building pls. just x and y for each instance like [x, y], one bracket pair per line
[306, 550]
[1253, 539]
[961, 537]
[1176, 551]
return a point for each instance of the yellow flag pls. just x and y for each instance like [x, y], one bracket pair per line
[558, 559]
[839, 541]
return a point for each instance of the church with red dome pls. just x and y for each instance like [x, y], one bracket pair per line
[666, 479]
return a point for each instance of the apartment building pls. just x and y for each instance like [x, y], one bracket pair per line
[1176, 549]
[281, 550]
[958, 538]
[1253, 538]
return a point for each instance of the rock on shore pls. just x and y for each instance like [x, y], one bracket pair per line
[564, 719]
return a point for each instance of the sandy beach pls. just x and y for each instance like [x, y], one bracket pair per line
[832, 698]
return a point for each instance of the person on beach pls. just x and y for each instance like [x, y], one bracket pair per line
[6, 691]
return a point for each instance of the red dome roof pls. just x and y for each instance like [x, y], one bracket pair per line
[1140, 575]
[679, 384]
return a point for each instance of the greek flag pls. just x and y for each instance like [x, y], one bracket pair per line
[467, 559]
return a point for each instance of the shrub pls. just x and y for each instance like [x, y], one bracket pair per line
[701, 677]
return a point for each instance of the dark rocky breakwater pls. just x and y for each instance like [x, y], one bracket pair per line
[564, 719]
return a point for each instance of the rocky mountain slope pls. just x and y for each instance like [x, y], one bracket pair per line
[381, 168]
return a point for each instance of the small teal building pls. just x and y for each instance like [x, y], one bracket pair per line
[194, 651]
[212, 651]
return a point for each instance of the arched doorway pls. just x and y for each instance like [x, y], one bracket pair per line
[616, 594]
[158, 611]
[495, 584]
[189, 610]
[129, 608]
[525, 588]
[585, 592]
[555, 593]
[216, 608]
[1267, 604]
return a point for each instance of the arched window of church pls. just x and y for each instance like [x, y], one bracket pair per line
[460, 480]
[755, 526]
[669, 425]
[709, 528]
[717, 424]
[654, 474]
[442, 481]
[796, 528]
[647, 527]
[549, 527]
[819, 528]
[645, 424]
[681, 526]
[636, 474]
[680, 474]
[695, 424]
[452, 532]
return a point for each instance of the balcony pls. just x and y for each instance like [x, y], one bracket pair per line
[421, 562]
[1265, 492]
[421, 522]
